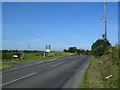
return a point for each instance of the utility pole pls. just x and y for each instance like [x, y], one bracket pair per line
[105, 22]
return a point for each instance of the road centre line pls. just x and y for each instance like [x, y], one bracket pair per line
[29, 65]
[32, 64]
[39, 62]
[57, 64]
[14, 68]
[52, 59]
[24, 66]
[19, 79]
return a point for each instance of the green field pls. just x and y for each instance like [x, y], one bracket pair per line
[39, 56]
[31, 56]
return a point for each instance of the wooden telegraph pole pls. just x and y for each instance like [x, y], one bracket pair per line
[105, 22]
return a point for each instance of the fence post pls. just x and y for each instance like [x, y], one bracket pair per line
[44, 54]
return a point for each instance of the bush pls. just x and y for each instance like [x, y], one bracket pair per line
[65, 50]
[100, 47]
[72, 49]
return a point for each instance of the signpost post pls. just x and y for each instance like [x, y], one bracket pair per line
[48, 49]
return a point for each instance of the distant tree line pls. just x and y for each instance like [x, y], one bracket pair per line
[99, 48]
[77, 51]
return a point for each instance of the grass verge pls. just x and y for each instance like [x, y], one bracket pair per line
[98, 71]
[84, 79]
[5, 66]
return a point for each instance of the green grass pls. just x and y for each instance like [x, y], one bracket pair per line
[32, 56]
[57, 56]
[5, 66]
[94, 77]
[101, 67]
[84, 79]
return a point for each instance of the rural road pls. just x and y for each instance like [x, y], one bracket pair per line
[66, 72]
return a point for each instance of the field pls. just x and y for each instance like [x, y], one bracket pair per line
[7, 56]
[34, 56]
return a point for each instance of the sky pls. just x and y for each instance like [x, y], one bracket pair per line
[60, 24]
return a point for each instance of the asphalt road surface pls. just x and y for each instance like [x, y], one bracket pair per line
[66, 72]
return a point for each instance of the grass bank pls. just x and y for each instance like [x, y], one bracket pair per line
[101, 73]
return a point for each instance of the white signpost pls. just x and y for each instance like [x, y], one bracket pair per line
[48, 48]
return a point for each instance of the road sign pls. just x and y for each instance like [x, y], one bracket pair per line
[48, 48]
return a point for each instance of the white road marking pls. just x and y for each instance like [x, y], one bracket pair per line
[57, 64]
[29, 65]
[24, 66]
[39, 62]
[14, 69]
[18, 79]
[52, 59]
